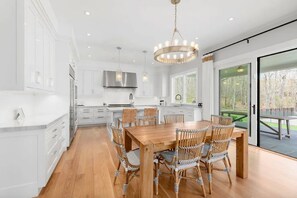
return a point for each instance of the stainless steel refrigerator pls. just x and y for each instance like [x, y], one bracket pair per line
[73, 105]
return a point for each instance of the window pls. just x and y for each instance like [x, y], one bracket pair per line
[184, 88]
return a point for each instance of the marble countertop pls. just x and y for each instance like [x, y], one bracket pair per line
[30, 123]
[119, 109]
[90, 106]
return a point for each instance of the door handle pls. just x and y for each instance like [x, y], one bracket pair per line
[254, 109]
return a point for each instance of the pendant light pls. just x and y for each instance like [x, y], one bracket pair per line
[176, 51]
[144, 76]
[119, 73]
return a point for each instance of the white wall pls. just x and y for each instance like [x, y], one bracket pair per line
[121, 95]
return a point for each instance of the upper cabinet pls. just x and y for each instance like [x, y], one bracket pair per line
[27, 45]
[90, 82]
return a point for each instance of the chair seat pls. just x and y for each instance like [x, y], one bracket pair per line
[212, 159]
[167, 155]
[134, 157]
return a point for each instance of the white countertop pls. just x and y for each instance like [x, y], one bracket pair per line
[118, 109]
[30, 123]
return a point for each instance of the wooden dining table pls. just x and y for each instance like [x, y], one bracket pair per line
[151, 139]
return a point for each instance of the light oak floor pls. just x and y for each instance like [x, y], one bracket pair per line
[87, 169]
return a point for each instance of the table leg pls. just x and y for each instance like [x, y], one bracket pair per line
[146, 171]
[279, 129]
[242, 155]
[288, 128]
[128, 142]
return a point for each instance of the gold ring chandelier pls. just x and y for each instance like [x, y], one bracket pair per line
[176, 52]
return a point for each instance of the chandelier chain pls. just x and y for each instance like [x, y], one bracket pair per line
[175, 25]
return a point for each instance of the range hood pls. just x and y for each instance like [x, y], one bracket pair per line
[129, 80]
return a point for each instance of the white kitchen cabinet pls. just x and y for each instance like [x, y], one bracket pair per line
[90, 83]
[92, 115]
[29, 62]
[190, 113]
[29, 157]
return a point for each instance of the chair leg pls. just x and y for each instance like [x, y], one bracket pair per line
[227, 170]
[156, 180]
[125, 186]
[176, 183]
[117, 173]
[200, 180]
[229, 161]
[209, 175]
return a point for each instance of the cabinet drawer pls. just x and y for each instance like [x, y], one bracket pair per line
[99, 110]
[85, 110]
[52, 138]
[53, 154]
[99, 119]
[98, 114]
[85, 115]
[85, 120]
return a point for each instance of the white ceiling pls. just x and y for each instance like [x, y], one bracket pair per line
[138, 25]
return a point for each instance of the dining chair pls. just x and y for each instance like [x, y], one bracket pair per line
[150, 117]
[217, 150]
[173, 118]
[128, 118]
[128, 160]
[187, 155]
[222, 120]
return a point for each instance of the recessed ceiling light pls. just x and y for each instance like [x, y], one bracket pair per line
[87, 13]
[196, 38]
[89, 55]
[231, 19]
[89, 47]
[88, 34]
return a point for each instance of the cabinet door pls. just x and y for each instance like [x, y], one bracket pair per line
[97, 82]
[88, 83]
[30, 47]
[46, 59]
[39, 53]
[80, 82]
[52, 63]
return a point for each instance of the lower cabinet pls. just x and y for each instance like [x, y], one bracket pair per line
[190, 114]
[29, 157]
[92, 115]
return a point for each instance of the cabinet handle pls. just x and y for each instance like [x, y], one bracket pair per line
[54, 136]
[86, 117]
[54, 130]
[100, 117]
[63, 127]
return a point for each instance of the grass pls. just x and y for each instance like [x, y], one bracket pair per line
[272, 124]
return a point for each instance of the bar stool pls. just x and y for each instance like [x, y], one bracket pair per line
[150, 117]
[128, 118]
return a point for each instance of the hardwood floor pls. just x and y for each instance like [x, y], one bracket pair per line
[87, 169]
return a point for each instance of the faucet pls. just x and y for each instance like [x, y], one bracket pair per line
[178, 97]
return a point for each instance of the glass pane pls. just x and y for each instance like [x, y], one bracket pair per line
[234, 94]
[278, 103]
[191, 90]
[178, 88]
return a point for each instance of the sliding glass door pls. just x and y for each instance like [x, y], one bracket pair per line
[234, 94]
[277, 120]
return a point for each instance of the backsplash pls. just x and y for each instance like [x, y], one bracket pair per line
[32, 104]
[116, 96]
